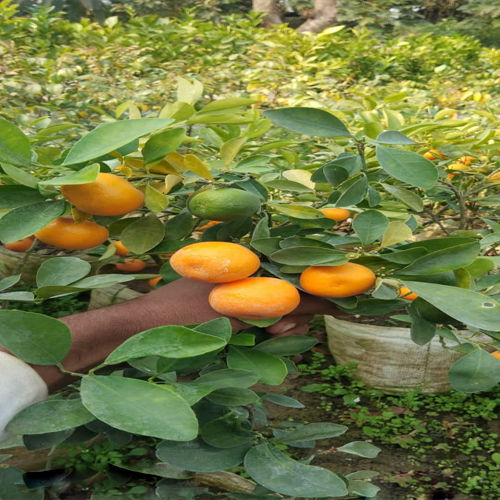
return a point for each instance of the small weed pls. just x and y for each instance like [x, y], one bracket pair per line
[447, 430]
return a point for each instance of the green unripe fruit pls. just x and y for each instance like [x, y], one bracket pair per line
[224, 204]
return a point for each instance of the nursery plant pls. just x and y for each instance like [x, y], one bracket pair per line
[414, 227]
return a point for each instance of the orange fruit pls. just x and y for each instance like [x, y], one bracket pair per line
[64, 233]
[407, 294]
[154, 281]
[466, 159]
[21, 245]
[254, 298]
[208, 224]
[337, 281]
[215, 261]
[337, 214]
[494, 177]
[131, 265]
[109, 194]
[120, 249]
[496, 354]
[434, 154]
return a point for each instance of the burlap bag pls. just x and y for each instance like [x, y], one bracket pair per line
[388, 359]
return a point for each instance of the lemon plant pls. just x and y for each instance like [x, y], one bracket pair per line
[190, 153]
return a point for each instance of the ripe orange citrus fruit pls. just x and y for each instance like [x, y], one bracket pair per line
[254, 298]
[120, 249]
[109, 194]
[21, 245]
[466, 159]
[337, 281]
[407, 294]
[215, 261]
[224, 204]
[337, 214]
[131, 265]
[154, 281]
[64, 233]
[208, 224]
[496, 354]
[434, 154]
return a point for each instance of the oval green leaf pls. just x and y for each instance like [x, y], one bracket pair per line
[14, 145]
[61, 271]
[476, 372]
[109, 137]
[139, 407]
[34, 338]
[143, 234]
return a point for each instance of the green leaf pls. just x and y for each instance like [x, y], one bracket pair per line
[231, 148]
[286, 185]
[189, 91]
[298, 211]
[370, 225]
[476, 372]
[198, 456]
[34, 338]
[160, 145]
[394, 137]
[228, 103]
[167, 341]
[50, 416]
[308, 121]
[109, 137]
[178, 111]
[143, 234]
[17, 196]
[396, 232]
[309, 256]
[271, 369]
[233, 396]
[14, 145]
[409, 198]
[219, 327]
[480, 266]
[226, 432]
[422, 331]
[363, 489]
[334, 174]
[403, 256]
[288, 345]
[61, 271]
[21, 296]
[308, 432]
[155, 200]
[354, 193]
[9, 281]
[139, 407]
[266, 245]
[20, 176]
[180, 226]
[360, 448]
[282, 400]
[102, 280]
[274, 470]
[471, 308]
[443, 260]
[83, 176]
[24, 221]
[407, 166]
[227, 377]
[13, 487]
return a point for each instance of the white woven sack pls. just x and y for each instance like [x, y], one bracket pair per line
[388, 359]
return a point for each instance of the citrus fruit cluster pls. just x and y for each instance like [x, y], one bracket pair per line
[236, 294]
[109, 194]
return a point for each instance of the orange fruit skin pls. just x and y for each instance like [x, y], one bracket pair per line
[64, 233]
[154, 281]
[337, 281]
[21, 245]
[254, 298]
[496, 354]
[215, 261]
[434, 154]
[109, 194]
[208, 224]
[120, 249]
[406, 293]
[337, 214]
[494, 177]
[131, 265]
